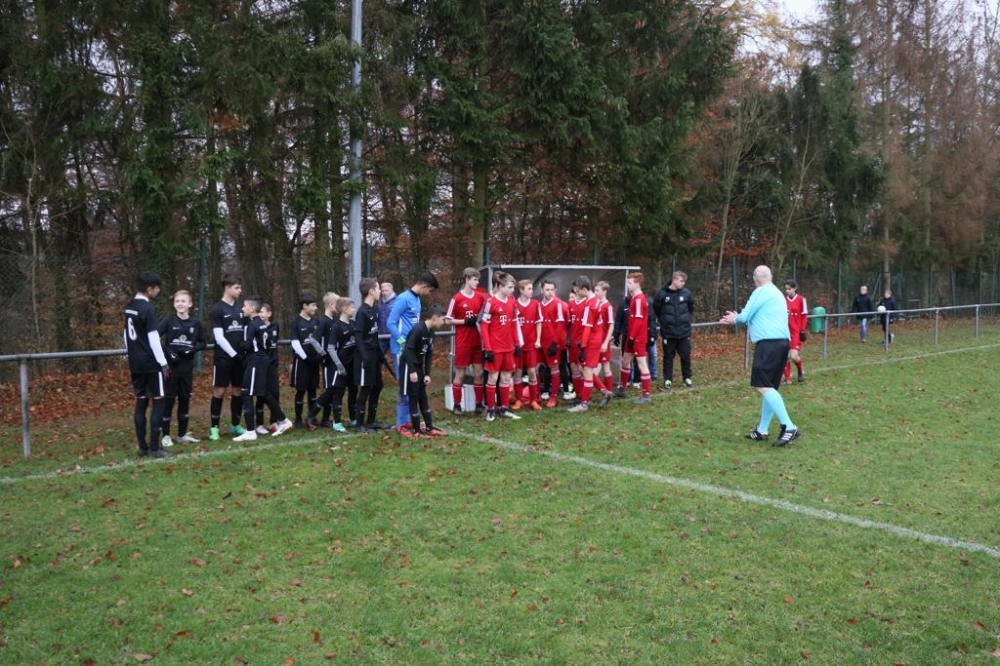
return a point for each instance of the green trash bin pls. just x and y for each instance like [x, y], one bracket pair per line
[817, 320]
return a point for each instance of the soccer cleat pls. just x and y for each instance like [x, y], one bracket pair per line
[576, 409]
[362, 429]
[457, 410]
[606, 397]
[312, 424]
[688, 383]
[262, 430]
[517, 405]
[142, 453]
[351, 423]
[620, 392]
[299, 425]
[247, 436]
[787, 437]
[667, 385]
[166, 441]
[187, 439]
[490, 416]
[377, 425]
[641, 400]
[535, 406]
[282, 426]
[404, 431]
[236, 430]
[160, 453]
[757, 436]
[480, 408]
[551, 402]
[801, 377]
[326, 424]
[434, 431]
[505, 413]
[338, 427]
[568, 395]
[213, 433]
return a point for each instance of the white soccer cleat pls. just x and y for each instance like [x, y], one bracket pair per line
[262, 430]
[248, 436]
[282, 426]
[507, 414]
[166, 442]
[188, 439]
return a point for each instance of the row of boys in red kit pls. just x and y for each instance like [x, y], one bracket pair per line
[510, 337]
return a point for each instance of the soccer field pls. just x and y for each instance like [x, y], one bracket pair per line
[653, 534]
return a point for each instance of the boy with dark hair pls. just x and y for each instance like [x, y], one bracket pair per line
[415, 374]
[184, 336]
[146, 362]
[502, 342]
[553, 339]
[256, 371]
[368, 361]
[798, 321]
[674, 308]
[273, 384]
[463, 314]
[227, 322]
[305, 361]
[404, 315]
[606, 319]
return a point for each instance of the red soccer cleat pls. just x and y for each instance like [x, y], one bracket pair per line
[535, 406]
[433, 432]
[551, 403]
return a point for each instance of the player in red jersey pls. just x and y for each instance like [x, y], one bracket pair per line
[553, 337]
[529, 317]
[636, 337]
[586, 349]
[463, 314]
[575, 306]
[607, 321]
[798, 320]
[502, 343]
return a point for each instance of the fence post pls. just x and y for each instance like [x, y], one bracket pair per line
[976, 334]
[937, 319]
[826, 332]
[25, 422]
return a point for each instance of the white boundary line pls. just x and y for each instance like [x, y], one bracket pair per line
[782, 505]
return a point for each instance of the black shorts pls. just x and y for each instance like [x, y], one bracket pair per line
[305, 375]
[367, 374]
[769, 358]
[227, 372]
[179, 385]
[148, 384]
[255, 377]
[407, 387]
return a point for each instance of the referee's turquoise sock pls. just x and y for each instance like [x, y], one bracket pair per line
[777, 404]
[766, 413]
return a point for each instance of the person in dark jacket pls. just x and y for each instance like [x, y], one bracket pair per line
[863, 305]
[885, 308]
[674, 309]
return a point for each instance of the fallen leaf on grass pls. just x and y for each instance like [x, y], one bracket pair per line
[142, 658]
[240, 660]
[197, 561]
[979, 625]
[789, 599]
[187, 592]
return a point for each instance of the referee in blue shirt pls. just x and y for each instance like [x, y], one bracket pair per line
[766, 318]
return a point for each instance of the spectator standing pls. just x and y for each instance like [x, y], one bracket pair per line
[863, 306]
[387, 298]
[885, 309]
[674, 309]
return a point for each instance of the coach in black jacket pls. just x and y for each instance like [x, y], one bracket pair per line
[674, 308]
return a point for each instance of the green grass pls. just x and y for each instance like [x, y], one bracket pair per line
[514, 545]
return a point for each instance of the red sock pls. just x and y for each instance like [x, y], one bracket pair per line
[586, 388]
[555, 382]
[505, 395]
[646, 381]
[479, 390]
[798, 365]
[491, 396]
[536, 394]
[598, 384]
[577, 384]
[624, 378]
[456, 394]
[788, 370]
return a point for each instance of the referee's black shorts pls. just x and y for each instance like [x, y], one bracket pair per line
[769, 358]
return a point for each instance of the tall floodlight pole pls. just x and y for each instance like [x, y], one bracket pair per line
[354, 214]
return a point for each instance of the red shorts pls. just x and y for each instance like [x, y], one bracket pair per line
[640, 350]
[502, 362]
[606, 355]
[551, 361]
[528, 358]
[795, 343]
[466, 356]
[593, 357]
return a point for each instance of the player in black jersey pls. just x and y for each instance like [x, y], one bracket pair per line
[324, 323]
[306, 355]
[184, 337]
[415, 374]
[368, 361]
[273, 384]
[257, 367]
[146, 362]
[226, 321]
[340, 351]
